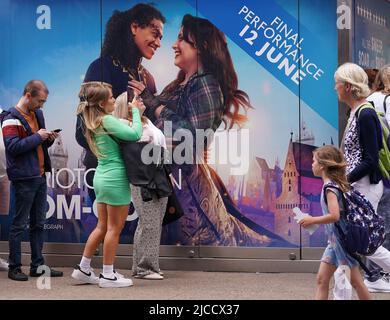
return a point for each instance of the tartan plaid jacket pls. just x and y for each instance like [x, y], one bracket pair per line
[199, 105]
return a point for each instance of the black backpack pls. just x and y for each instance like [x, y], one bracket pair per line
[364, 229]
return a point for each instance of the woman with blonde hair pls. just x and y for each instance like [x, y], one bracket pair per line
[362, 138]
[150, 208]
[110, 181]
[361, 144]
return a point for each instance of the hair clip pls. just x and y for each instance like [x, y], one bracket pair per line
[84, 99]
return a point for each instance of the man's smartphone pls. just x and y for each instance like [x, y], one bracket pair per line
[57, 130]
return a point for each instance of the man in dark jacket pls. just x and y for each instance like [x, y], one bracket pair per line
[26, 142]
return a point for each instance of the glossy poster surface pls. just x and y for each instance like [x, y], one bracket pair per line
[284, 54]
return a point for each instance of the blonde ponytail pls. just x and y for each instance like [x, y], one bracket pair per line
[92, 95]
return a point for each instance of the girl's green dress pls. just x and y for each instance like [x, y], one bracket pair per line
[110, 182]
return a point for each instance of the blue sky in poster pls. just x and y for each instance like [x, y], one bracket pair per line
[60, 57]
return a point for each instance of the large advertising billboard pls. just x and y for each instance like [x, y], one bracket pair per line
[284, 55]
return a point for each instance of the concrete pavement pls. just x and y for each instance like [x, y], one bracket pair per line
[177, 285]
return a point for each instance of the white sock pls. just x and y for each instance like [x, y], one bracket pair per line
[85, 263]
[108, 269]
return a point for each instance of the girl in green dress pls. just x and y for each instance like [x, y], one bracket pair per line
[110, 182]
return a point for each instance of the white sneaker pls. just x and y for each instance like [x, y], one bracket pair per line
[380, 285]
[3, 265]
[83, 276]
[150, 276]
[114, 281]
[119, 275]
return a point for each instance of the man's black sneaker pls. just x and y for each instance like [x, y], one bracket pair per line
[53, 273]
[17, 275]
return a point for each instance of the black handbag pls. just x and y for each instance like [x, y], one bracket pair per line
[174, 210]
[154, 175]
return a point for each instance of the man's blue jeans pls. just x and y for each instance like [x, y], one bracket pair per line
[29, 204]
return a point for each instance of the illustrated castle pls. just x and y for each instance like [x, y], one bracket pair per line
[300, 188]
[277, 191]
